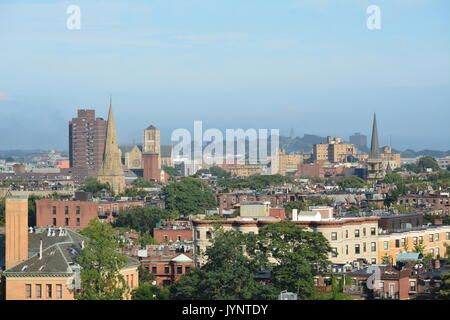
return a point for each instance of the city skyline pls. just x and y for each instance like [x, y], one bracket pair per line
[308, 65]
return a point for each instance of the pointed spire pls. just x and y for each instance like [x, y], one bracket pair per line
[374, 147]
[111, 170]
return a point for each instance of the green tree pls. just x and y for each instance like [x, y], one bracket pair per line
[32, 209]
[148, 291]
[215, 171]
[2, 212]
[171, 171]
[134, 192]
[145, 240]
[296, 255]
[101, 264]
[351, 182]
[143, 219]
[427, 162]
[141, 183]
[94, 186]
[412, 167]
[188, 196]
[228, 273]
[392, 178]
[297, 204]
[444, 292]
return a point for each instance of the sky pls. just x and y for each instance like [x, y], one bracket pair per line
[310, 65]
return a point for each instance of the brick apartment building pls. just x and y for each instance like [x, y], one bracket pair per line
[76, 214]
[86, 140]
[230, 200]
[164, 264]
[173, 231]
[438, 201]
[40, 263]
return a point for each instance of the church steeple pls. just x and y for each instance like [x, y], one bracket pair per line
[111, 170]
[374, 147]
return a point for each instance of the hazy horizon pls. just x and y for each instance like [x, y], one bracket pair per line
[309, 65]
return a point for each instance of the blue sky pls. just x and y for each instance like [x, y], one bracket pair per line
[311, 65]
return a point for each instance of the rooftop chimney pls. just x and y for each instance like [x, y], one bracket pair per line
[16, 230]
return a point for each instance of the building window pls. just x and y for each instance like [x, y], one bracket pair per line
[66, 221]
[28, 290]
[447, 236]
[198, 234]
[187, 269]
[357, 249]
[431, 238]
[54, 221]
[66, 210]
[420, 239]
[154, 269]
[178, 238]
[132, 281]
[397, 243]
[373, 231]
[49, 290]
[415, 240]
[59, 291]
[346, 233]
[208, 235]
[346, 249]
[166, 268]
[364, 247]
[78, 222]
[39, 291]
[334, 236]
[166, 238]
[436, 236]
[386, 245]
[364, 232]
[412, 286]
[373, 246]
[78, 210]
[403, 242]
[54, 210]
[357, 233]
[334, 252]
[179, 269]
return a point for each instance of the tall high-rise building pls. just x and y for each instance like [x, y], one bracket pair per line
[359, 140]
[86, 140]
[111, 170]
[152, 142]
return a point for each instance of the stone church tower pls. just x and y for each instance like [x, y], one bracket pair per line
[111, 171]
